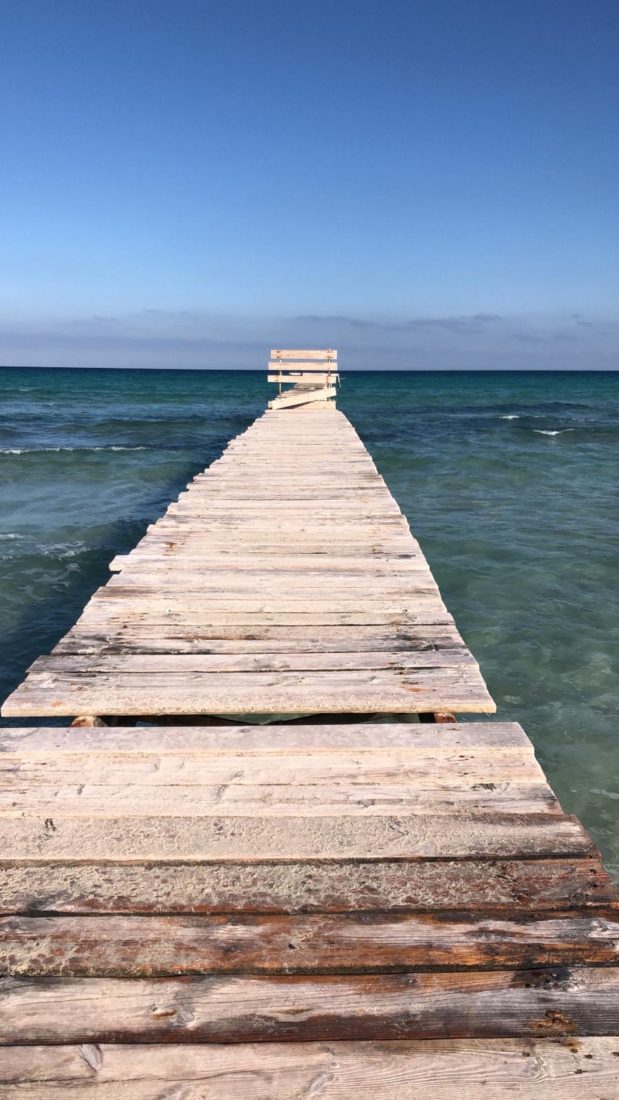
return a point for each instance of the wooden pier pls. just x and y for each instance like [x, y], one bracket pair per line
[332, 899]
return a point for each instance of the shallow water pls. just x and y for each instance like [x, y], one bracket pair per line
[508, 480]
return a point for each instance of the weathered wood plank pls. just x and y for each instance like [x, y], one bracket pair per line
[294, 368]
[201, 612]
[378, 513]
[354, 691]
[156, 597]
[303, 374]
[287, 353]
[299, 396]
[182, 582]
[272, 564]
[166, 664]
[583, 1068]
[180, 637]
[400, 768]
[170, 945]
[357, 530]
[136, 946]
[363, 545]
[386, 738]
[212, 839]
[507, 887]
[360, 801]
[239, 591]
[542, 1003]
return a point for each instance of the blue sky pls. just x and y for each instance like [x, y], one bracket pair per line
[424, 184]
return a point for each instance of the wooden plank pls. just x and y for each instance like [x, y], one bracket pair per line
[292, 366]
[246, 740]
[239, 593]
[287, 353]
[583, 1068]
[366, 489]
[124, 597]
[294, 516]
[257, 543]
[346, 524]
[505, 887]
[306, 376]
[361, 801]
[201, 664]
[180, 637]
[324, 692]
[277, 564]
[422, 607]
[353, 521]
[186, 575]
[350, 477]
[167, 571]
[451, 779]
[389, 531]
[217, 509]
[360, 490]
[302, 396]
[440, 771]
[539, 1003]
[141, 947]
[212, 839]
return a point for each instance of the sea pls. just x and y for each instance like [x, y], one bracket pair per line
[509, 480]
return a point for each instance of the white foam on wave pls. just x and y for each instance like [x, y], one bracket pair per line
[557, 431]
[10, 535]
[511, 416]
[61, 550]
[58, 450]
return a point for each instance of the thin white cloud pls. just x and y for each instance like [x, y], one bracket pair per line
[160, 338]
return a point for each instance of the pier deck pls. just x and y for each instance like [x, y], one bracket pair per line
[193, 907]
[284, 580]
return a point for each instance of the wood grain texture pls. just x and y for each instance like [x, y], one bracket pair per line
[303, 375]
[557, 1002]
[452, 1069]
[300, 395]
[131, 799]
[508, 887]
[344, 770]
[134, 946]
[39, 838]
[181, 637]
[354, 691]
[430, 741]
[288, 353]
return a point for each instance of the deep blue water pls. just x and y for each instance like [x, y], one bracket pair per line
[508, 480]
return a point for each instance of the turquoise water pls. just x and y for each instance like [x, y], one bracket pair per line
[509, 481]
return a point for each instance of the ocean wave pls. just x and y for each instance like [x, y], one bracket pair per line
[58, 450]
[61, 550]
[555, 431]
[511, 416]
[36, 550]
